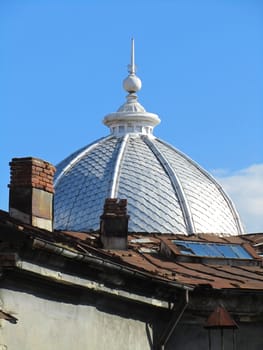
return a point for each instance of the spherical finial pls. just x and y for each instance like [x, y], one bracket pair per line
[132, 83]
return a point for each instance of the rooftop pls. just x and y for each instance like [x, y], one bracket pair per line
[152, 256]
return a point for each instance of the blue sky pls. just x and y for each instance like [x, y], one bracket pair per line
[62, 63]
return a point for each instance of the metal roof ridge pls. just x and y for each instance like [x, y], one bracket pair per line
[117, 168]
[176, 185]
[79, 156]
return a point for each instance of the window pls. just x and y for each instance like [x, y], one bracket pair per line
[121, 129]
[215, 250]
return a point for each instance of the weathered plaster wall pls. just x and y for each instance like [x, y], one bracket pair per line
[95, 321]
[189, 337]
[48, 324]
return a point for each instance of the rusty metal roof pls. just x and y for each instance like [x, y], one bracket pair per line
[145, 254]
[156, 256]
[215, 273]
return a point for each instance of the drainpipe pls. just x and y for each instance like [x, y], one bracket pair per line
[178, 311]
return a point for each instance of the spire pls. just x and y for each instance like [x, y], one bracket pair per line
[132, 83]
[131, 117]
[132, 67]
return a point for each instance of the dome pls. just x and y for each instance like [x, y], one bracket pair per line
[167, 192]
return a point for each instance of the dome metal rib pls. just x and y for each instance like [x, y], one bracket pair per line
[213, 180]
[114, 188]
[176, 185]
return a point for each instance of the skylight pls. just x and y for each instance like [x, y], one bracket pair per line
[215, 250]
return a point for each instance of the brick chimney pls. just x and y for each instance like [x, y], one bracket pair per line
[31, 192]
[114, 224]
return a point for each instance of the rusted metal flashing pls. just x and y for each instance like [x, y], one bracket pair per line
[220, 318]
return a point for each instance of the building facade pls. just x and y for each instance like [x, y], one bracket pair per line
[128, 244]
